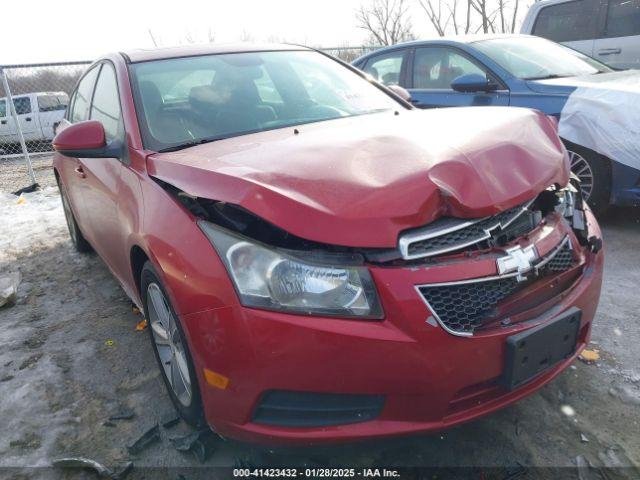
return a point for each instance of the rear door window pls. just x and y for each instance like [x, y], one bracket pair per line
[53, 102]
[623, 18]
[82, 98]
[567, 22]
[22, 105]
[386, 68]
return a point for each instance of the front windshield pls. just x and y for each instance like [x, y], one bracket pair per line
[531, 58]
[191, 100]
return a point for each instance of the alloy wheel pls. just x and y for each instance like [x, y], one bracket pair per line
[581, 168]
[169, 344]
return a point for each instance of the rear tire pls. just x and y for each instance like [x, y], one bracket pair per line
[78, 240]
[170, 348]
[594, 172]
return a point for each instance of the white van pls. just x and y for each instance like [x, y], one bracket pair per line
[38, 113]
[608, 30]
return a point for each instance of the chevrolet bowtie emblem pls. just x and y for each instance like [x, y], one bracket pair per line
[517, 259]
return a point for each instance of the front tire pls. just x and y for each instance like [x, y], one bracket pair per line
[170, 348]
[594, 173]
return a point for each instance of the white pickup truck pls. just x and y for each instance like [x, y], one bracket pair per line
[38, 114]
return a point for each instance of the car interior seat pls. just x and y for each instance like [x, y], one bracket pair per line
[165, 126]
[240, 107]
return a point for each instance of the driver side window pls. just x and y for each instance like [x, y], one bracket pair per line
[436, 68]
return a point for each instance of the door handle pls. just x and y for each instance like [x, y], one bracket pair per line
[3, 122]
[609, 51]
[80, 172]
[28, 119]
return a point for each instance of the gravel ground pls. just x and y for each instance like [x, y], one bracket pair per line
[14, 173]
[70, 357]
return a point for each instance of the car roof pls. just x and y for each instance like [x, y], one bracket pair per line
[145, 55]
[470, 38]
[448, 40]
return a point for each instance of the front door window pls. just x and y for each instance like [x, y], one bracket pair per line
[436, 68]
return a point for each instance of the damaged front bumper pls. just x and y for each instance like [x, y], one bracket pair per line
[311, 379]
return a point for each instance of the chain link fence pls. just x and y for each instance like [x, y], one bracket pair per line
[33, 100]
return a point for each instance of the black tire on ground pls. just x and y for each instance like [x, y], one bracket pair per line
[597, 193]
[78, 240]
[191, 411]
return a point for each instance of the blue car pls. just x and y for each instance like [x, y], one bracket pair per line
[523, 71]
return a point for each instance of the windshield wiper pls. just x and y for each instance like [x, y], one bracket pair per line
[194, 143]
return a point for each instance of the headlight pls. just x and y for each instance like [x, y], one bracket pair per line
[265, 277]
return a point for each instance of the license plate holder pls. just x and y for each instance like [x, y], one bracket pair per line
[532, 352]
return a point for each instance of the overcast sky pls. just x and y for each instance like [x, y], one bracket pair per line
[53, 30]
[59, 30]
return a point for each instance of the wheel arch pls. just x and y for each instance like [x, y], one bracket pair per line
[606, 164]
[137, 258]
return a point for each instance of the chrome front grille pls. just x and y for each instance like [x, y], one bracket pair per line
[462, 307]
[451, 234]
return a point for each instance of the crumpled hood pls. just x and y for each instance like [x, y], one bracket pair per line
[360, 181]
[621, 81]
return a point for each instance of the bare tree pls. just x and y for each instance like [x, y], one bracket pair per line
[497, 20]
[434, 13]
[480, 6]
[486, 16]
[246, 36]
[153, 38]
[189, 37]
[387, 21]
[443, 21]
[514, 17]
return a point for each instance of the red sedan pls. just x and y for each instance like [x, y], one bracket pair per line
[318, 261]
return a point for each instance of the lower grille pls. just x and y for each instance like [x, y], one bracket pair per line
[561, 261]
[464, 307]
[308, 409]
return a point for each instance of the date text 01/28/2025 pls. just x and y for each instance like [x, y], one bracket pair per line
[315, 473]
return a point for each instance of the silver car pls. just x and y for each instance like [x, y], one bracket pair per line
[608, 30]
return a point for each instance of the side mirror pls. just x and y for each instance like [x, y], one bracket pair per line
[401, 92]
[472, 82]
[84, 140]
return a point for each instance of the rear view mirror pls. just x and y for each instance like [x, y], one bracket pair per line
[84, 140]
[472, 82]
[401, 92]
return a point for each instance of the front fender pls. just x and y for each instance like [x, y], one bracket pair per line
[193, 274]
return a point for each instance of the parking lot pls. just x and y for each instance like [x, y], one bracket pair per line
[70, 357]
